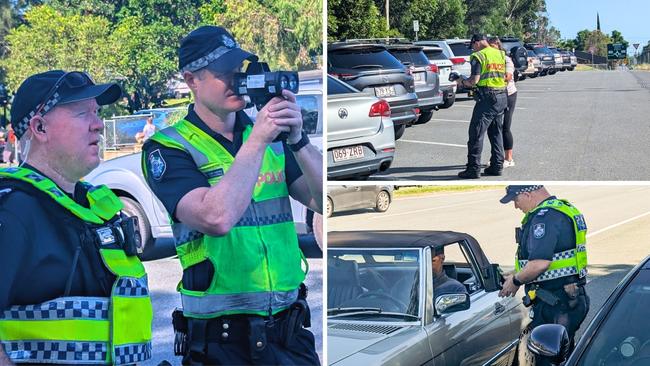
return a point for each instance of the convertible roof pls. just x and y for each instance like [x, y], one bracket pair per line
[387, 239]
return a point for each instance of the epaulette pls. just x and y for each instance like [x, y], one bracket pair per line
[4, 192]
[542, 212]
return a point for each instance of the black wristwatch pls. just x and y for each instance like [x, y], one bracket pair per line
[516, 282]
[304, 141]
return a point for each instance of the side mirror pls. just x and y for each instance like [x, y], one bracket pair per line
[451, 303]
[550, 342]
[493, 278]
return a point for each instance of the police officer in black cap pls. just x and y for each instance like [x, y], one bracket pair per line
[64, 241]
[551, 258]
[488, 74]
[226, 182]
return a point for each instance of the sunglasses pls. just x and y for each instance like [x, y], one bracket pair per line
[71, 79]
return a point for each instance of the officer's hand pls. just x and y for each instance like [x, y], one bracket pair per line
[266, 128]
[287, 114]
[508, 288]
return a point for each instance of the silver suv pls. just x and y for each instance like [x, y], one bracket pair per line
[448, 88]
[458, 51]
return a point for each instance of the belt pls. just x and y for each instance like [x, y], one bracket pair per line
[485, 89]
[236, 328]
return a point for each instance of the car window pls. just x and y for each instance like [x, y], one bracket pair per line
[458, 266]
[335, 87]
[435, 55]
[509, 45]
[531, 53]
[364, 59]
[460, 49]
[411, 57]
[309, 107]
[623, 337]
[388, 279]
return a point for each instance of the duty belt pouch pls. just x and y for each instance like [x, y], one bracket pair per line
[179, 322]
[256, 336]
[518, 233]
[132, 237]
[547, 297]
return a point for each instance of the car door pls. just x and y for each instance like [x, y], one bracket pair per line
[345, 197]
[474, 336]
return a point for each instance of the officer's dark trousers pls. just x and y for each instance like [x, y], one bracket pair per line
[487, 117]
[569, 313]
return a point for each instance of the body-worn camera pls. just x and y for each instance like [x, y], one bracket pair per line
[261, 85]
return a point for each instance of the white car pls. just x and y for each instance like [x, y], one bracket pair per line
[437, 57]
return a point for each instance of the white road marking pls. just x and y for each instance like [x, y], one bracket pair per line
[431, 143]
[618, 224]
[432, 208]
[449, 120]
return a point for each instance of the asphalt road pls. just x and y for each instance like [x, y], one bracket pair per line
[618, 220]
[164, 275]
[574, 125]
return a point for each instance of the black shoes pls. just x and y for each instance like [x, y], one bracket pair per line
[469, 174]
[492, 171]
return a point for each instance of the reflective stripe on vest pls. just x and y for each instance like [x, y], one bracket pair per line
[258, 265]
[569, 262]
[83, 330]
[493, 68]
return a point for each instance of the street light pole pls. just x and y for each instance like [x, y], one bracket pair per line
[387, 15]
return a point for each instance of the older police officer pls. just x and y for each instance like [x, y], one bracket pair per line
[551, 258]
[488, 74]
[68, 253]
[226, 185]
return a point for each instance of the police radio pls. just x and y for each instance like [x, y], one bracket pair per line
[261, 85]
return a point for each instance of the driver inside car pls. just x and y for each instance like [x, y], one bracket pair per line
[442, 284]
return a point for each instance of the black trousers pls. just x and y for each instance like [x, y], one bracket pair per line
[569, 313]
[486, 117]
[507, 122]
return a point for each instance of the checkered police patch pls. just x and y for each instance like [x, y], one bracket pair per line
[539, 230]
[580, 222]
[157, 165]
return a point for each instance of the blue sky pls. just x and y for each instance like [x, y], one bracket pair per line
[630, 17]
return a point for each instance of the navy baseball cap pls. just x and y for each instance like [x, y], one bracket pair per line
[211, 45]
[40, 93]
[513, 191]
[477, 37]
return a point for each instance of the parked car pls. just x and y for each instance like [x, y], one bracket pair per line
[448, 88]
[458, 52]
[534, 65]
[546, 57]
[341, 198]
[370, 68]
[557, 57]
[383, 309]
[618, 334]
[515, 49]
[425, 77]
[360, 135]
[574, 61]
[177, 88]
[567, 59]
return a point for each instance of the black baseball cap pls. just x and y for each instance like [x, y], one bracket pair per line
[513, 191]
[211, 45]
[477, 37]
[40, 93]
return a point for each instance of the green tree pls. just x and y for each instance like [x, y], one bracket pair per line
[597, 42]
[438, 19]
[354, 19]
[617, 37]
[581, 40]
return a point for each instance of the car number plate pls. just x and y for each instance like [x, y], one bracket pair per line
[348, 153]
[418, 76]
[385, 91]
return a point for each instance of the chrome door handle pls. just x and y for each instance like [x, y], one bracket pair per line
[499, 308]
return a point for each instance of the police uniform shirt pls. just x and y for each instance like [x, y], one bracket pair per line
[476, 66]
[39, 239]
[179, 174]
[548, 231]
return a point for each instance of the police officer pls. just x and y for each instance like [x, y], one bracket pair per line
[551, 259]
[488, 74]
[226, 185]
[68, 253]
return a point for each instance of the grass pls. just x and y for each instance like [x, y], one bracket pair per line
[422, 190]
[580, 67]
[644, 67]
[170, 103]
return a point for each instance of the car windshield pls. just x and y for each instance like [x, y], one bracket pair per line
[542, 51]
[509, 45]
[370, 58]
[412, 57]
[460, 49]
[531, 53]
[310, 108]
[623, 337]
[369, 282]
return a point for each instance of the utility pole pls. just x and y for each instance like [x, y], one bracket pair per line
[387, 15]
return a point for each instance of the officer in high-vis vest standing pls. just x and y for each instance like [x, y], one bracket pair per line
[226, 185]
[72, 290]
[488, 74]
[551, 258]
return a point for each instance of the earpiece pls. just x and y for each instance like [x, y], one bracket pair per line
[40, 128]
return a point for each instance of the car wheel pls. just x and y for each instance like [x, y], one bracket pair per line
[425, 116]
[133, 208]
[399, 131]
[449, 101]
[318, 229]
[330, 207]
[383, 201]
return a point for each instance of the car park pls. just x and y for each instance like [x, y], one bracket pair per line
[458, 51]
[347, 197]
[425, 77]
[383, 309]
[370, 68]
[360, 135]
[617, 335]
[448, 88]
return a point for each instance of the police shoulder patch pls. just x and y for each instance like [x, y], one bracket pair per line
[539, 230]
[157, 165]
[542, 212]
